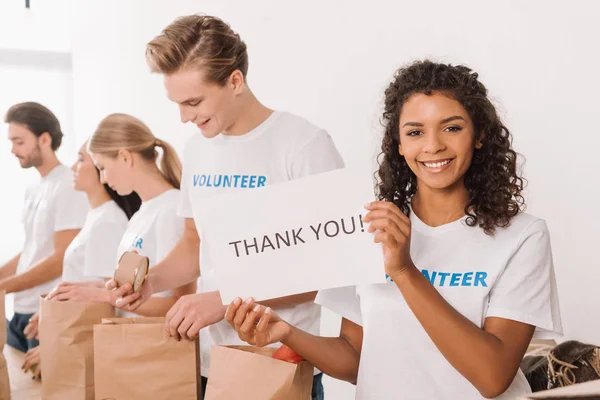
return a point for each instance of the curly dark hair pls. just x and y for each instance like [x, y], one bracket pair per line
[493, 182]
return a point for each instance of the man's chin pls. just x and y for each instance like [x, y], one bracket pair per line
[208, 134]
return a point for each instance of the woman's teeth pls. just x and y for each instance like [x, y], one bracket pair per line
[437, 164]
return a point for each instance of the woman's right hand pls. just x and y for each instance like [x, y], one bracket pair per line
[32, 362]
[31, 331]
[256, 324]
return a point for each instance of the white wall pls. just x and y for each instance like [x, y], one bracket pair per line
[35, 65]
[330, 61]
[42, 27]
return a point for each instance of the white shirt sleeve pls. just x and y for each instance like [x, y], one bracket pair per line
[318, 155]
[343, 301]
[100, 250]
[526, 289]
[169, 230]
[70, 209]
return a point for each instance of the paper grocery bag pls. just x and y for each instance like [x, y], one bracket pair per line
[250, 373]
[66, 347]
[135, 358]
[4, 383]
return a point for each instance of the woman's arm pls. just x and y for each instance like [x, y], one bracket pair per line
[337, 357]
[490, 357]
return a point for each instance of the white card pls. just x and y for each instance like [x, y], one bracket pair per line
[293, 237]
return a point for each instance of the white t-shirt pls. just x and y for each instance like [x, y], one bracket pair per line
[50, 206]
[153, 231]
[282, 148]
[509, 275]
[91, 255]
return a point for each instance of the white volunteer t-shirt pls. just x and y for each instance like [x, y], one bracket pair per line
[282, 148]
[153, 231]
[91, 255]
[50, 206]
[509, 275]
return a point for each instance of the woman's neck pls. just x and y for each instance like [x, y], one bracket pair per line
[437, 207]
[97, 197]
[150, 183]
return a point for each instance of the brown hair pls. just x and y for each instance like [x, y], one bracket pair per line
[124, 132]
[493, 180]
[38, 119]
[195, 41]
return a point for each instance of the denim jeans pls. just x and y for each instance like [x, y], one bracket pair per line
[14, 333]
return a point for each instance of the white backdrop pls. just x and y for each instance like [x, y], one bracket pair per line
[330, 61]
[35, 65]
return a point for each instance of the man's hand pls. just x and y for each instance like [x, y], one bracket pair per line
[194, 312]
[127, 299]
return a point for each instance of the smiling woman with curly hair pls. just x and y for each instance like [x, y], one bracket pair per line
[470, 276]
[492, 181]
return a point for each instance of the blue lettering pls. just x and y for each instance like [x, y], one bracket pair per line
[454, 281]
[138, 243]
[431, 278]
[455, 278]
[480, 278]
[443, 276]
[228, 181]
[466, 281]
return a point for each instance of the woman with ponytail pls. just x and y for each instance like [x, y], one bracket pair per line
[85, 263]
[126, 153]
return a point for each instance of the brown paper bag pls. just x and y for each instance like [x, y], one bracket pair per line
[4, 383]
[66, 347]
[250, 373]
[134, 358]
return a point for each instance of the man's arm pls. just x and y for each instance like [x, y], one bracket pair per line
[10, 268]
[180, 267]
[46, 270]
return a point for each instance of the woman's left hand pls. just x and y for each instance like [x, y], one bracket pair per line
[392, 229]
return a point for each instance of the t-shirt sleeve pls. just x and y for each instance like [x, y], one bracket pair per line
[101, 249]
[70, 209]
[526, 290]
[343, 301]
[169, 230]
[184, 208]
[317, 155]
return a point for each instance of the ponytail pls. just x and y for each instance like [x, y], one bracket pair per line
[122, 131]
[170, 166]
